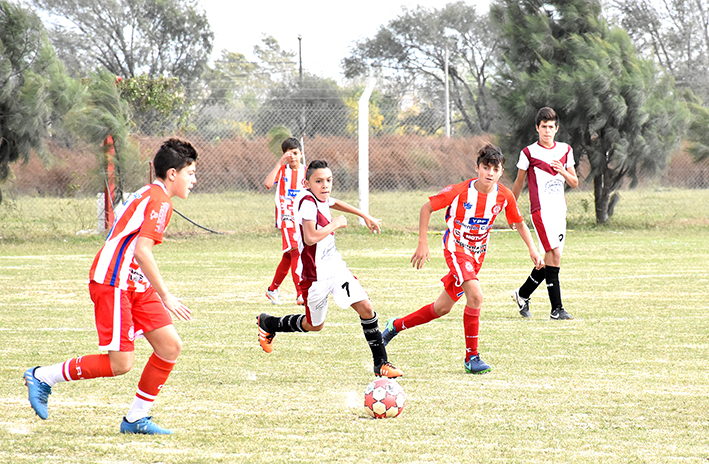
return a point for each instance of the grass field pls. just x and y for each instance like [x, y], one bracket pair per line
[626, 381]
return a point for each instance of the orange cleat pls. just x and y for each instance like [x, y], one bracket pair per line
[388, 370]
[265, 338]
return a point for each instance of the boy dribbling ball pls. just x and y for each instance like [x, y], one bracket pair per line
[322, 271]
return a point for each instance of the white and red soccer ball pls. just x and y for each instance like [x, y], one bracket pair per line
[384, 398]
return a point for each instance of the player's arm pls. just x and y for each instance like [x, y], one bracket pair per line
[271, 177]
[372, 223]
[523, 232]
[568, 173]
[312, 235]
[145, 259]
[422, 253]
[519, 183]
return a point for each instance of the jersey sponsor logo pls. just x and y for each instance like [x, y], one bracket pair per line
[162, 218]
[292, 193]
[478, 249]
[475, 221]
[467, 205]
[554, 187]
[134, 275]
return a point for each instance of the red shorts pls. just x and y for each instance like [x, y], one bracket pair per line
[289, 239]
[461, 267]
[122, 315]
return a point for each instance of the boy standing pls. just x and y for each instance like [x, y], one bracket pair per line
[322, 271]
[549, 165]
[130, 297]
[472, 207]
[288, 177]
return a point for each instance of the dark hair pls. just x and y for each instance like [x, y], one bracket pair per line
[290, 143]
[546, 114]
[490, 155]
[174, 153]
[315, 164]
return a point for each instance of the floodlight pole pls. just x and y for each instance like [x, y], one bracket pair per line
[302, 102]
[448, 114]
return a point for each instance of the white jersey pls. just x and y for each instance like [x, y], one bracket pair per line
[546, 186]
[321, 260]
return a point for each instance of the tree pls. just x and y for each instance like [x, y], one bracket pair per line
[157, 103]
[413, 46]
[614, 108]
[675, 33]
[170, 38]
[35, 90]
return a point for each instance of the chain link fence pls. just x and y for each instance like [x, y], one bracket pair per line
[408, 152]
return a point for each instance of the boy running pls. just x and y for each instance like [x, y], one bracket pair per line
[322, 271]
[130, 297]
[472, 207]
[549, 165]
[288, 176]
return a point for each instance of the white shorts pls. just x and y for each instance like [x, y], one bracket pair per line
[550, 229]
[344, 287]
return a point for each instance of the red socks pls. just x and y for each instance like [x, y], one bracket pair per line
[155, 374]
[90, 366]
[281, 272]
[471, 325]
[422, 316]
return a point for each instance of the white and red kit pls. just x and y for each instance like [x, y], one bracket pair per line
[289, 183]
[470, 216]
[546, 190]
[124, 301]
[321, 269]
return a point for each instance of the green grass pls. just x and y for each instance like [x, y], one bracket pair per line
[624, 382]
[30, 218]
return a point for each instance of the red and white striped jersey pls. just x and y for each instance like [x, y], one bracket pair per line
[318, 261]
[546, 186]
[290, 183]
[146, 214]
[470, 216]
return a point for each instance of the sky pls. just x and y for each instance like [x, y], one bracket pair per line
[329, 29]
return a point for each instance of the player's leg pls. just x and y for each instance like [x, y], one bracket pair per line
[315, 295]
[442, 306]
[281, 272]
[295, 256]
[110, 305]
[554, 229]
[522, 295]
[471, 326]
[155, 324]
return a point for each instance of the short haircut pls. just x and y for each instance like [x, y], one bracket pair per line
[546, 114]
[174, 153]
[290, 143]
[316, 164]
[490, 155]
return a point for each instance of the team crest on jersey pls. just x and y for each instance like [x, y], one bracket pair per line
[131, 333]
[496, 209]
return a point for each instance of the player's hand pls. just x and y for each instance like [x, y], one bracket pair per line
[421, 256]
[537, 259]
[374, 225]
[557, 166]
[177, 308]
[339, 222]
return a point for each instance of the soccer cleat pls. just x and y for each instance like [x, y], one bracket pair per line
[522, 304]
[38, 393]
[560, 314]
[273, 297]
[300, 300]
[389, 331]
[387, 370]
[143, 426]
[475, 365]
[265, 338]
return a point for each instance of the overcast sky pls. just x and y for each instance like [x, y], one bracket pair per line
[329, 28]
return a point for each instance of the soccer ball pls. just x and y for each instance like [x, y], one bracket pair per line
[384, 398]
